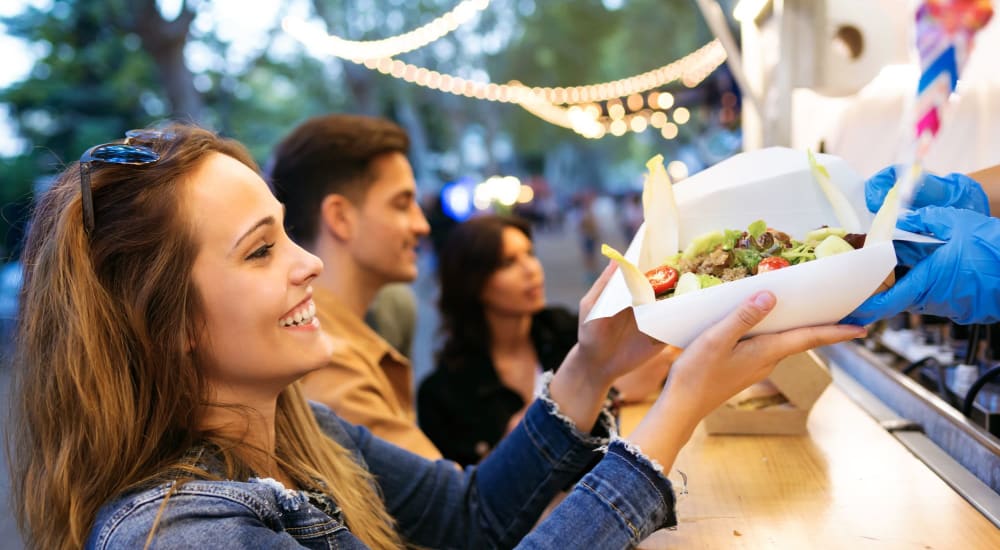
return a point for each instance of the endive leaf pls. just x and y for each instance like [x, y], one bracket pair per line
[659, 208]
[637, 283]
[842, 209]
[884, 224]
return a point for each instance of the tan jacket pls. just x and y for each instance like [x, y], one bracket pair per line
[367, 381]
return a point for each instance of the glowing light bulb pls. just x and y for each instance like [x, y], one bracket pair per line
[618, 128]
[677, 170]
[634, 102]
[665, 100]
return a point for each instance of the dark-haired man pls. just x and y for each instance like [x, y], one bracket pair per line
[350, 198]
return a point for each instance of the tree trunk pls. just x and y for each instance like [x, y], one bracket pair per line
[164, 41]
[360, 80]
[410, 120]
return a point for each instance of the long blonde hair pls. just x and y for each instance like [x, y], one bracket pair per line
[106, 398]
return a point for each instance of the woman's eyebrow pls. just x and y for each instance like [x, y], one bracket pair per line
[267, 220]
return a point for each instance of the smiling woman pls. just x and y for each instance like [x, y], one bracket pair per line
[156, 401]
[163, 356]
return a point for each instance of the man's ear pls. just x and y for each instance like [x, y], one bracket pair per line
[337, 216]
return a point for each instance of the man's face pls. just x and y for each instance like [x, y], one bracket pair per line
[389, 222]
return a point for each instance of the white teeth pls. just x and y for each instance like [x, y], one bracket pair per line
[302, 316]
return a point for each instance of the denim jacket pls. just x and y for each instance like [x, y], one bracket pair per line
[616, 504]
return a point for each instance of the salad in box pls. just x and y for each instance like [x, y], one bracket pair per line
[774, 219]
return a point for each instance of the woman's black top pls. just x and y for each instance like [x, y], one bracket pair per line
[464, 410]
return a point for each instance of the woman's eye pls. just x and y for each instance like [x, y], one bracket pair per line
[262, 252]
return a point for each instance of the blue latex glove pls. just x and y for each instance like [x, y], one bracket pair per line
[959, 280]
[956, 190]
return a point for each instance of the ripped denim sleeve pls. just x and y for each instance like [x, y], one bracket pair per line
[604, 430]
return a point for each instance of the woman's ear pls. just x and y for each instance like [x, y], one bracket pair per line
[337, 215]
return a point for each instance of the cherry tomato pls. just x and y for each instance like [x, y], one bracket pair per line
[772, 263]
[662, 278]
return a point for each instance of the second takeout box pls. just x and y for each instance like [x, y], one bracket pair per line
[800, 379]
[775, 185]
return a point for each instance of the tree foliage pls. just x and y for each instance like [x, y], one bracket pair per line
[109, 65]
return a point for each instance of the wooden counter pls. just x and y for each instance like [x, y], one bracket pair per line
[848, 484]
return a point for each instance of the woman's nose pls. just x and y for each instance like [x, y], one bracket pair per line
[531, 266]
[306, 267]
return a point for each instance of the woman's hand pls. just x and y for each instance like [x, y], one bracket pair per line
[716, 366]
[606, 349]
[612, 346]
[646, 381]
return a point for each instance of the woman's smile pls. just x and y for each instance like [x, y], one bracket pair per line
[302, 316]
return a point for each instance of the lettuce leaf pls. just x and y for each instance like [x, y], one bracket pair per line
[748, 258]
[708, 280]
[799, 253]
[703, 244]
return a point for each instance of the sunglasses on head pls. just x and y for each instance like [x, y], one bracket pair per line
[134, 150]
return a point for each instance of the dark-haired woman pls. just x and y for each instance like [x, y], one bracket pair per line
[500, 338]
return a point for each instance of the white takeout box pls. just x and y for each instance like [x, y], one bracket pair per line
[775, 185]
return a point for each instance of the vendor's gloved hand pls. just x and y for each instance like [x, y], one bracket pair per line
[956, 190]
[959, 280]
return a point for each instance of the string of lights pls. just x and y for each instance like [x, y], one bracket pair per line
[582, 117]
[359, 50]
[590, 121]
[690, 70]
[586, 104]
[635, 114]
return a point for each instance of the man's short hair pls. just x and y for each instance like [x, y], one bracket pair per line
[327, 155]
